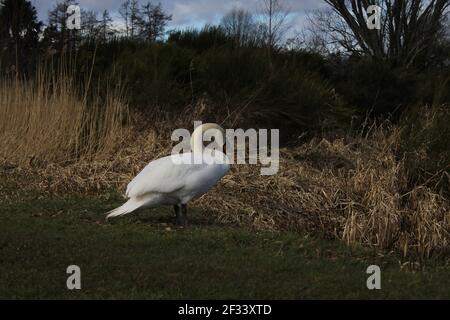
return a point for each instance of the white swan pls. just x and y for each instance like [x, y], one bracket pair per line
[166, 181]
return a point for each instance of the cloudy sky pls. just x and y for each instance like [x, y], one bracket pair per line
[192, 12]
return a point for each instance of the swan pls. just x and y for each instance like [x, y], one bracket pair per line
[170, 182]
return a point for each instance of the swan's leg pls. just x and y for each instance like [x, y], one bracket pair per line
[183, 215]
[177, 209]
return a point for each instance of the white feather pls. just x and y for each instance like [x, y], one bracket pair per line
[167, 182]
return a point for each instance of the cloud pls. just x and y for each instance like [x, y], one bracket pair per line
[191, 12]
[209, 11]
[43, 6]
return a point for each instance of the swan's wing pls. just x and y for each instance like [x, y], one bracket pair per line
[159, 176]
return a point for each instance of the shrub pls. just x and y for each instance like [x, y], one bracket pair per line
[425, 146]
[374, 88]
[291, 95]
[200, 40]
[157, 75]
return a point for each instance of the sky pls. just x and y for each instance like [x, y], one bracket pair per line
[193, 13]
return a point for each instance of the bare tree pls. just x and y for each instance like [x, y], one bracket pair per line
[135, 18]
[125, 13]
[106, 29]
[327, 33]
[275, 15]
[274, 27]
[241, 26]
[153, 22]
[89, 24]
[409, 29]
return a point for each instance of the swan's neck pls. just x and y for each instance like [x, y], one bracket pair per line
[197, 137]
[197, 141]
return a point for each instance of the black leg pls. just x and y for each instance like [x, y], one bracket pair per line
[183, 215]
[177, 214]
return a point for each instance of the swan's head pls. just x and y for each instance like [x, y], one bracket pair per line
[208, 132]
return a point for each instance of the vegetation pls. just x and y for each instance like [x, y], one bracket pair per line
[55, 123]
[19, 34]
[364, 160]
[145, 258]
[409, 33]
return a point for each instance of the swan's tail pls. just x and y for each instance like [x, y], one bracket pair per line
[129, 207]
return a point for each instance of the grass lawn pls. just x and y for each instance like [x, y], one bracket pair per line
[143, 256]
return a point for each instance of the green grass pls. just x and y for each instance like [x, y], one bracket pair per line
[138, 257]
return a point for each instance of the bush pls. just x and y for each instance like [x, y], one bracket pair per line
[197, 66]
[292, 95]
[374, 88]
[200, 40]
[157, 75]
[425, 146]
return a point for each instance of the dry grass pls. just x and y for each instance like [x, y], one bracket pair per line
[352, 189]
[348, 190]
[47, 121]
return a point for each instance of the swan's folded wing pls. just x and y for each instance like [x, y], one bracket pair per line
[159, 176]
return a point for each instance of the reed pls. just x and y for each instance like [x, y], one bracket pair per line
[47, 119]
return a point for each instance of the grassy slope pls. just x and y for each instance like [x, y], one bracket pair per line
[136, 257]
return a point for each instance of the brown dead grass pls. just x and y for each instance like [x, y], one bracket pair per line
[349, 190]
[352, 189]
[46, 121]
